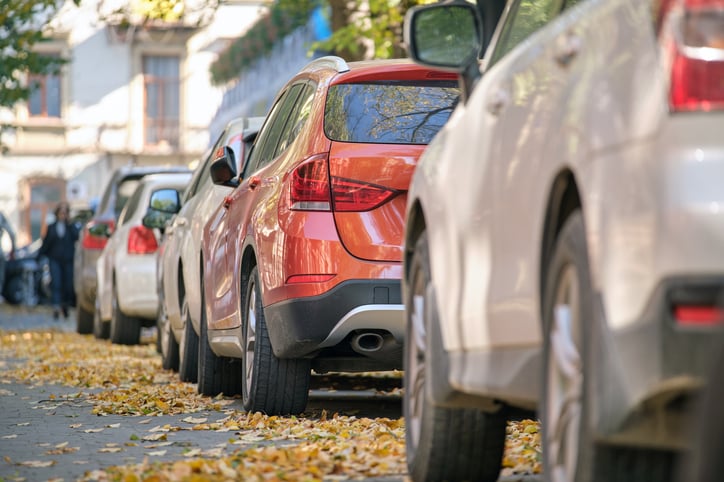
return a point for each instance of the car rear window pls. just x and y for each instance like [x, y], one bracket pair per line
[389, 112]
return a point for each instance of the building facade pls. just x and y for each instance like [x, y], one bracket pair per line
[132, 92]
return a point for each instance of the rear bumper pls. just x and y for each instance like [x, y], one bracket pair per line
[302, 326]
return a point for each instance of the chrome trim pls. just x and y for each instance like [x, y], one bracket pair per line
[369, 317]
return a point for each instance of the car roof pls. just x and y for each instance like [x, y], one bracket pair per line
[371, 70]
[153, 180]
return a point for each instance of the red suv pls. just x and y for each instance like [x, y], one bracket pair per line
[302, 261]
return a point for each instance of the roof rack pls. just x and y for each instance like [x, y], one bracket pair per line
[328, 61]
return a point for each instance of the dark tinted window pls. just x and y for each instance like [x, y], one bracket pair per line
[266, 143]
[389, 112]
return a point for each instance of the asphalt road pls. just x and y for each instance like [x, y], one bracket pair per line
[39, 423]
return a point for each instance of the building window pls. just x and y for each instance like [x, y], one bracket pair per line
[162, 99]
[41, 195]
[44, 100]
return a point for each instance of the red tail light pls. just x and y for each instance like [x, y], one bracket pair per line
[310, 185]
[95, 234]
[693, 34]
[141, 240]
[697, 315]
[349, 195]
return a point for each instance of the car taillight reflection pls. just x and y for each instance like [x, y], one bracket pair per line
[141, 240]
[693, 36]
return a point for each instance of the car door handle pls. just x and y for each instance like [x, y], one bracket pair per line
[498, 100]
[181, 222]
[567, 48]
[169, 231]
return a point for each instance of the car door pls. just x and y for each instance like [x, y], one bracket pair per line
[230, 223]
[517, 97]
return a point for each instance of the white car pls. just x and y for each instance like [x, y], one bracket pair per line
[565, 236]
[180, 295]
[127, 299]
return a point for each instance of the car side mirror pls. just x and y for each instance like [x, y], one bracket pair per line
[223, 169]
[447, 36]
[163, 205]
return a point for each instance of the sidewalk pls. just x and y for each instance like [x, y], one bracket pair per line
[19, 317]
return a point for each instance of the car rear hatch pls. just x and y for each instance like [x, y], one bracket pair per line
[379, 128]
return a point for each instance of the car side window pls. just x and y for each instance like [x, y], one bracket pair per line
[524, 18]
[297, 119]
[130, 207]
[266, 142]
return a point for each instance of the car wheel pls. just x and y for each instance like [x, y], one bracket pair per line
[271, 385]
[84, 321]
[568, 322]
[125, 330]
[216, 374]
[101, 329]
[442, 443]
[188, 368]
[167, 344]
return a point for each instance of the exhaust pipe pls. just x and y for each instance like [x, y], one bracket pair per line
[366, 343]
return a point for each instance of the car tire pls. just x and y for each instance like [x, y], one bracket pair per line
[442, 443]
[216, 374]
[188, 368]
[271, 385]
[84, 321]
[101, 329]
[166, 342]
[125, 330]
[567, 446]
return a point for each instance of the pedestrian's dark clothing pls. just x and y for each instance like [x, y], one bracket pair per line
[59, 246]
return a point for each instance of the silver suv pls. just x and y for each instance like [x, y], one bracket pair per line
[565, 235]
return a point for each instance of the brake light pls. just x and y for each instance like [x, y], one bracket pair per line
[698, 315]
[310, 185]
[95, 234]
[141, 240]
[693, 37]
[349, 195]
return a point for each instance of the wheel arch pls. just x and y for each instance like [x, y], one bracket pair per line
[415, 225]
[563, 199]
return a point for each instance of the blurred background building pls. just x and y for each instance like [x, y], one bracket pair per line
[134, 91]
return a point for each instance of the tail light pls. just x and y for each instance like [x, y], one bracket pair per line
[142, 240]
[311, 191]
[310, 185]
[693, 36]
[95, 234]
[348, 195]
[698, 315]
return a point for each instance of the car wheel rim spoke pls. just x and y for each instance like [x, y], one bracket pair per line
[250, 337]
[416, 364]
[565, 379]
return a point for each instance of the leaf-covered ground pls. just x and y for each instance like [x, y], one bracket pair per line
[129, 380]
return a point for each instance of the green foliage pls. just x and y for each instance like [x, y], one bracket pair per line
[282, 18]
[378, 21]
[21, 28]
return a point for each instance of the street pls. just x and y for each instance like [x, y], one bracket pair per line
[78, 421]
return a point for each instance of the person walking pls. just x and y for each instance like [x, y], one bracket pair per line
[59, 246]
[5, 228]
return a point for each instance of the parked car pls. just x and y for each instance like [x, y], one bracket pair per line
[564, 236]
[96, 232]
[127, 299]
[179, 286]
[302, 261]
